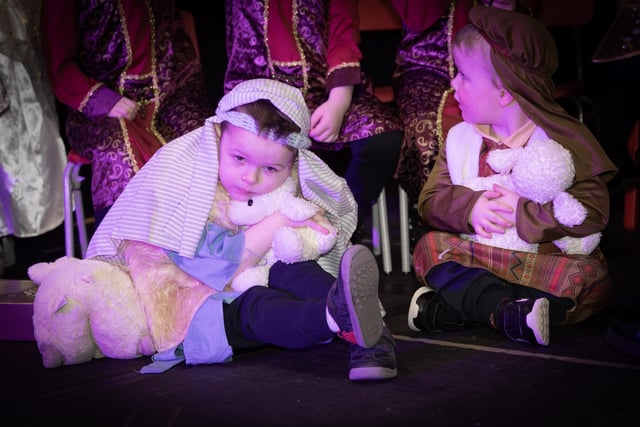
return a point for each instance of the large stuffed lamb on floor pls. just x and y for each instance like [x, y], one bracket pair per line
[85, 309]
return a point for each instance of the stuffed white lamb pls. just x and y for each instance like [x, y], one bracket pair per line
[289, 244]
[87, 309]
[541, 171]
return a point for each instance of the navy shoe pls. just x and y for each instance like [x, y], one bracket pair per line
[525, 320]
[353, 299]
[429, 313]
[375, 363]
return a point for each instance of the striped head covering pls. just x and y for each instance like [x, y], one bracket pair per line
[167, 203]
[524, 55]
[285, 98]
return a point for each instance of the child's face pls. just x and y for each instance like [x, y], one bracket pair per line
[251, 165]
[475, 90]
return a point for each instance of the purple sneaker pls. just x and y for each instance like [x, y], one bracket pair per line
[524, 320]
[375, 363]
[353, 299]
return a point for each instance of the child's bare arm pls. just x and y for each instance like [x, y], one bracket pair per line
[258, 237]
[125, 108]
[327, 119]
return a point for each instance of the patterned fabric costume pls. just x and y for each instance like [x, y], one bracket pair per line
[421, 84]
[98, 51]
[312, 45]
[525, 70]
[582, 278]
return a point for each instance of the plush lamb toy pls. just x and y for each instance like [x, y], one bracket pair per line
[85, 309]
[289, 244]
[541, 171]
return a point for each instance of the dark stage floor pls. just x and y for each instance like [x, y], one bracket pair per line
[474, 378]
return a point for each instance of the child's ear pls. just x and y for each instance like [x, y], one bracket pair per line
[505, 98]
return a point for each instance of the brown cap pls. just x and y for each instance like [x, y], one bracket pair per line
[525, 57]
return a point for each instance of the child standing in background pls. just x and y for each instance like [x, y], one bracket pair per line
[130, 76]
[313, 45]
[32, 152]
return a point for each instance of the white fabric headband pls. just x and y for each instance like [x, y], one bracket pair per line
[285, 98]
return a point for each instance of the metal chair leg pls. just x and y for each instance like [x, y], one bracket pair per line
[405, 249]
[72, 185]
[380, 232]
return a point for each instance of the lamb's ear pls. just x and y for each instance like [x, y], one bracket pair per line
[37, 272]
[60, 305]
[502, 161]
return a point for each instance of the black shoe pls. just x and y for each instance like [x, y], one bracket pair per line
[429, 313]
[375, 363]
[525, 320]
[353, 299]
[624, 336]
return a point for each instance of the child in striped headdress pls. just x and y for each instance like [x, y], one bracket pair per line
[258, 136]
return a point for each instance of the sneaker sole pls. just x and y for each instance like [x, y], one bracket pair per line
[538, 321]
[361, 292]
[414, 308]
[372, 373]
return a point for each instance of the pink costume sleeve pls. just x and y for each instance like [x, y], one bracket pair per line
[60, 42]
[59, 28]
[418, 15]
[343, 55]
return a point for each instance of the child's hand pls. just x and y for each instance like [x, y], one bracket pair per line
[258, 237]
[488, 214]
[327, 119]
[314, 223]
[508, 198]
[325, 124]
[124, 108]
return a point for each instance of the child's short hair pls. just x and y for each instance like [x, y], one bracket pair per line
[269, 120]
[469, 39]
[281, 115]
